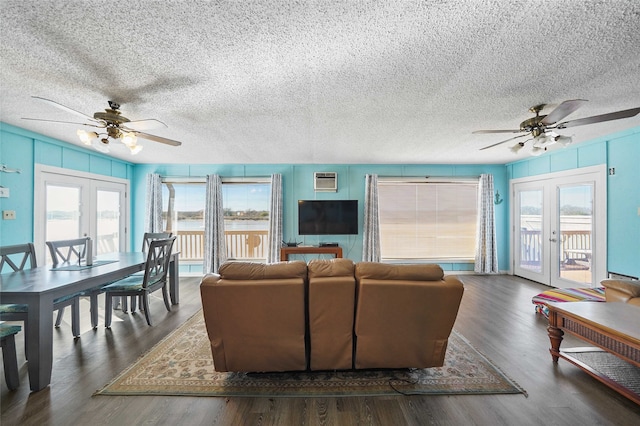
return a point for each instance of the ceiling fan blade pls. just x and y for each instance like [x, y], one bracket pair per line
[147, 124]
[562, 110]
[599, 118]
[478, 132]
[101, 125]
[504, 141]
[66, 108]
[158, 139]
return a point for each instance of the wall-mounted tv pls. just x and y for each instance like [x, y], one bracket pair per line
[327, 217]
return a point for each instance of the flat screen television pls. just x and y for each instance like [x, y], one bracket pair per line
[327, 217]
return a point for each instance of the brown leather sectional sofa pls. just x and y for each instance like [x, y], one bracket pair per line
[627, 291]
[328, 315]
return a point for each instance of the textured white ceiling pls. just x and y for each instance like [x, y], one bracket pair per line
[322, 81]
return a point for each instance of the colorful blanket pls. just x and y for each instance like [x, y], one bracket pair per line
[566, 295]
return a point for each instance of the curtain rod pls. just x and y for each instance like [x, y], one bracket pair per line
[203, 179]
[429, 179]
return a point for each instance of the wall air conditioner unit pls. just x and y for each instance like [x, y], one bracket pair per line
[325, 182]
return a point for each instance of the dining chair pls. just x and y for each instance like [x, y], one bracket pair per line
[17, 258]
[156, 270]
[67, 253]
[146, 241]
[151, 236]
[9, 358]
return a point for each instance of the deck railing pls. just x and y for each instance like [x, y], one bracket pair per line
[240, 244]
[575, 245]
[108, 243]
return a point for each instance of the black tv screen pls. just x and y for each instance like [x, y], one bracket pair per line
[327, 217]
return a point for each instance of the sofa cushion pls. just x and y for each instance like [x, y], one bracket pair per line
[385, 271]
[332, 288]
[331, 268]
[262, 271]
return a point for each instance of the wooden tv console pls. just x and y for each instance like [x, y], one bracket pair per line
[286, 251]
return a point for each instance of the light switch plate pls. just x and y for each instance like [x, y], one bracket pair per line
[4, 192]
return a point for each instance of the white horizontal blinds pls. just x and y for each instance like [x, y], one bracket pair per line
[421, 220]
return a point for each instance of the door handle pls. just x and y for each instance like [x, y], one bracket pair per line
[553, 240]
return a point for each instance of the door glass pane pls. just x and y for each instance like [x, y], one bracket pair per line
[183, 213]
[576, 229]
[531, 250]
[62, 213]
[107, 221]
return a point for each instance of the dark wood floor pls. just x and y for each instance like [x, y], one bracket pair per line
[496, 316]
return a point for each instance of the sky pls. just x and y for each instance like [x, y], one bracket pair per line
[191, 197]
[573, 195]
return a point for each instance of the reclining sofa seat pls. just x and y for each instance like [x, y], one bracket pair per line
[332, 289]
[626, 291]
[404, 315]
[255, 316]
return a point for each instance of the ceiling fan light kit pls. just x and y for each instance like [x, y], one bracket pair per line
[540, 127]
[86, 137]
[117, 128]
[517, 147]
[101, 141]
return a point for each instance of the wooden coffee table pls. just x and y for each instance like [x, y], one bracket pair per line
[613, 327]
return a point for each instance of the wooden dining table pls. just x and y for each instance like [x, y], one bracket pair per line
[39, 287]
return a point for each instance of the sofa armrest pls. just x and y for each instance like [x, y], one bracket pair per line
[621, 290]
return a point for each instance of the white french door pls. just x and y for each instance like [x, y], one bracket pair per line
[71, 204]
[559, 232]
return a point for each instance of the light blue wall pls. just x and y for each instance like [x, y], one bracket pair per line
[298, 185]
[622, 152]
[22, 149]
[16, 152]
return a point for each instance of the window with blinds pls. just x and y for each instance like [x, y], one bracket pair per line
[420, 220]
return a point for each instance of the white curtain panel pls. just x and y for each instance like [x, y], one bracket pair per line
[153, 209]
[275, 219]
[486, 261]
[215, 250]
[371, 231]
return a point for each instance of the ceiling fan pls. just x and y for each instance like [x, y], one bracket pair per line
[540, 128]
[115, 127]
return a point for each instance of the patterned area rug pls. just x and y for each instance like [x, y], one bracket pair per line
[182, 364]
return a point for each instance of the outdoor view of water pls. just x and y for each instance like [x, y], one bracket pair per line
[60, 229]
[232, 225]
